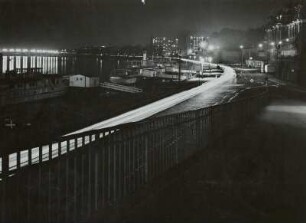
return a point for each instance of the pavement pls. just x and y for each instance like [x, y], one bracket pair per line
[257, 174]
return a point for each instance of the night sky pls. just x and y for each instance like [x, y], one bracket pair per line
[73, 23]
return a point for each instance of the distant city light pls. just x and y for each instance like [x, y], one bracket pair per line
[241, 46]
[211, 47]
[189, 51]
[202, 60]
[4, 50]
[260, 45]
[280, 42]
[143, 2]
[272, 43]
[287, 40]
[209, 59]
[203, 44]
[251, 58]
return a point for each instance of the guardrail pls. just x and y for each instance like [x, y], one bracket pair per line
[69, 179]
[122, 88]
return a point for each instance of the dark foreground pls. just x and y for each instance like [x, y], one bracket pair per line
[256, 174]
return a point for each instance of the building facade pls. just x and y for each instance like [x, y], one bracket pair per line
[164, 46]
[196, 45]
[283, 42]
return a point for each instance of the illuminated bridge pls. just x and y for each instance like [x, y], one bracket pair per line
[63, 62]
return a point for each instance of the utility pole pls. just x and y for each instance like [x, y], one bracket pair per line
[241, 47]
[179, 65]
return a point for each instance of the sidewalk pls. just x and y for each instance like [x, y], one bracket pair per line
[256, 175]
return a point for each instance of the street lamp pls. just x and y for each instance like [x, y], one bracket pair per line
[202, 67]
[241, 47]
[202, 62]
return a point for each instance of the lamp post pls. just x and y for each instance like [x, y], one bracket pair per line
[241, 47]
[278, 57]
[202, 67]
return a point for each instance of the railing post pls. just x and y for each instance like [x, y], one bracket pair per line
[146, 160]
[17, 160]
[40, 156]
[3, 185]
[30, 157]
[59, 148]
[68, 146]
[50, 151]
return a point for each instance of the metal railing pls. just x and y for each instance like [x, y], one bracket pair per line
[69, 179]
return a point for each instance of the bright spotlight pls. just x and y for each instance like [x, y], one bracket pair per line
[211, 47]
[203, 44]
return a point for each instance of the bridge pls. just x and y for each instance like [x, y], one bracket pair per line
[102, 166]
[63, 62]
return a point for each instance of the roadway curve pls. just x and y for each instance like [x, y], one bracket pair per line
[156, 107]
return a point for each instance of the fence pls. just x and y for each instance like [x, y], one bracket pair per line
[69, 179]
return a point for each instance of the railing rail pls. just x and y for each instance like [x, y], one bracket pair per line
[67, 179]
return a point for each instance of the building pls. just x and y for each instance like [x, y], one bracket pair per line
[83, 81]
[282, 42]
[196, 45]
[164, 46]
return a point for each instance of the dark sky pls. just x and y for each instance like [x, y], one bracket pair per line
[70, 23]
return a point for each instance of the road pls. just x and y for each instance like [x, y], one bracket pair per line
[132, 116]
[225, 93]
[211, 87]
